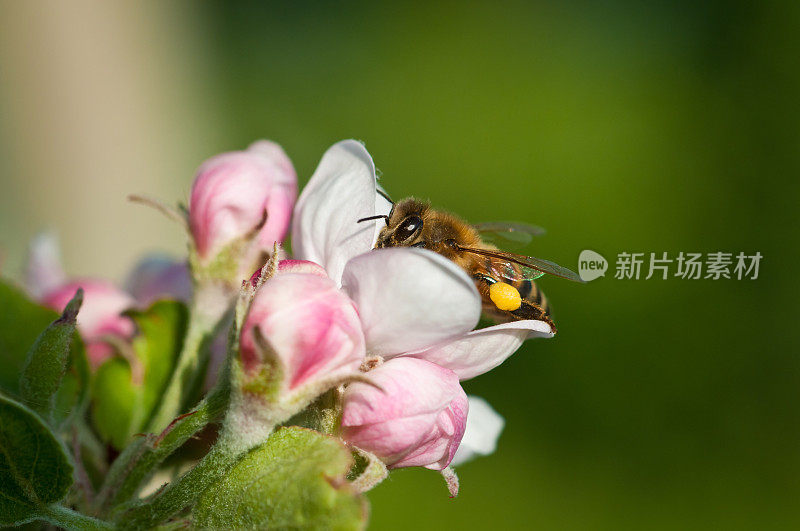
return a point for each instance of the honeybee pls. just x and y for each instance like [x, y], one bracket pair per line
[504, 280]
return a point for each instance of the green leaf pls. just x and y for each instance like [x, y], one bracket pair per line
[34, 468]
[126, 391]
[296, 480]
[72, 398]
[117, 402]
[161, 332]
[21, 322]
[47, 360]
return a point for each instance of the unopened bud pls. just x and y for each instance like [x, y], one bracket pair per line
[241, 202]
[414, 417]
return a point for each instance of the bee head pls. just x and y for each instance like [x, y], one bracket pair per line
[404, 224]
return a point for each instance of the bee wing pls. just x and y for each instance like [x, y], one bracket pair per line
[530, 267]
[506, 231]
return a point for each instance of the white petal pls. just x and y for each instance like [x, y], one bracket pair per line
[484, 426]
[43, 270]
[383, 207]
[325, 227]
[482, 350]
[410, 299]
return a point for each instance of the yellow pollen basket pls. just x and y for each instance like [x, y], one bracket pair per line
[505, 296]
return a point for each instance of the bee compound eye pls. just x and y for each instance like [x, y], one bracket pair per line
[409, 227]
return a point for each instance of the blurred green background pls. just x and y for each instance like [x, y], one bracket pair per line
[621, 126]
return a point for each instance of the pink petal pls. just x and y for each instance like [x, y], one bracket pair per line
[99, 315]
[291, 266]
[416, 418]
[277, 155]
[437, 450]
[325, 228]
[416, 388]
[481, 350]
[231, 193]
[410, 299]
[301, 266]
[312, 327]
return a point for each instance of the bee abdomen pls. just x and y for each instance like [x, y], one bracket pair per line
[532, 294]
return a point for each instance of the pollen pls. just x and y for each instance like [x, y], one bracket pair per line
[505, 296]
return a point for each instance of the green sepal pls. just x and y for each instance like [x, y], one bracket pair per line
[296, 480]
[34, 468]
[126, 391]
[227, 264]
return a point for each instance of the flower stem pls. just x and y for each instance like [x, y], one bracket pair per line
[324, 414]
[208, 311]
[139, 460]
[63, 517]
[184, 491]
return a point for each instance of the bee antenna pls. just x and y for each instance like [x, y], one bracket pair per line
[384, 195]
[379, 216]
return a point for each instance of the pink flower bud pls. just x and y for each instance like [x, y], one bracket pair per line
[416, 418]
[301, 266]
[291, 266]
[99, 317]
[312, 330]
[232, 193]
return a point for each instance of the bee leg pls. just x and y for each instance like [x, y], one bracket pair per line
[529, 310]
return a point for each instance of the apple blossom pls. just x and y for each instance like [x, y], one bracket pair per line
[412, 302]
[242, 199]
[100, 317]
[414, 417]
[417, 309]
